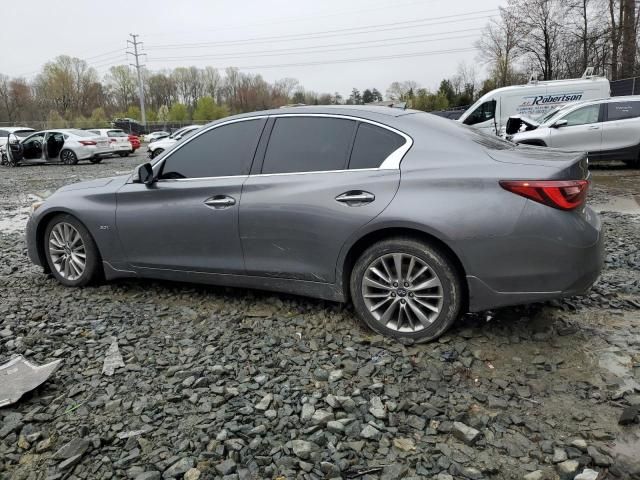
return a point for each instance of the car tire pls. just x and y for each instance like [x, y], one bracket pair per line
[402, 305]
[65, 241]
[124, 154]
[3, 160]
[68, 157]
[95, 160]
[157, 152]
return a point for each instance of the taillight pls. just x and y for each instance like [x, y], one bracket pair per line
[561, 194]
[87, 142]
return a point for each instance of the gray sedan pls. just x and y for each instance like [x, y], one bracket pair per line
[414, 218]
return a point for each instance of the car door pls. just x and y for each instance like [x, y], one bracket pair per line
[304, 202]
[621, 130]
[582, 131]
[188, 219]
[32, 147]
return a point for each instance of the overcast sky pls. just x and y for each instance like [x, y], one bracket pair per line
[328, 46]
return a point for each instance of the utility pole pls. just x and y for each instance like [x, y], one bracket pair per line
[138, 67]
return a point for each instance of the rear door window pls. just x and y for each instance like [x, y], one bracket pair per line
[223, 151]
[308, 144]
[622, 110]
[373, 145]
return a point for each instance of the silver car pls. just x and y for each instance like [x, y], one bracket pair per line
[412, 217]
[67, 146]
[608, 129]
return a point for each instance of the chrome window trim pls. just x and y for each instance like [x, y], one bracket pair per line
[392, 162]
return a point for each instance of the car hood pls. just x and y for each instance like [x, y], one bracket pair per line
[113, 182]
[516, 122]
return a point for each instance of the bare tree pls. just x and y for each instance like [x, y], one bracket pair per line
[497, 46]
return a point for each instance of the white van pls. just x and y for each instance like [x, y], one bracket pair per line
[491, 112]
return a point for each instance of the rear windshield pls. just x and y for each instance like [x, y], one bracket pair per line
[486, 140]
[116, 133]
[81, 133]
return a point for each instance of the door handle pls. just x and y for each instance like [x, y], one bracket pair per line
[356, 197]
[594, 127]
[220, 201]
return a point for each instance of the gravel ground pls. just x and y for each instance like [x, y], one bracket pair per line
[239, 384]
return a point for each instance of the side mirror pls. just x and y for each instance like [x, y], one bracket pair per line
[144, 174]
[560, 123]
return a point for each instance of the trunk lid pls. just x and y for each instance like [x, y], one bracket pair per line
[569, 165]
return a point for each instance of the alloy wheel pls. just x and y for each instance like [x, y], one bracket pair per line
[68, 157]
[67, 251]
[402, 292]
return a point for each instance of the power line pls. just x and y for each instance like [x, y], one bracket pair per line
[341, 31]
[368, 43]
[138, 67]
[306, 51]
[310, 17]
[356, 60]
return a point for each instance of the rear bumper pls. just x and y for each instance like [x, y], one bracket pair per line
[567, 264]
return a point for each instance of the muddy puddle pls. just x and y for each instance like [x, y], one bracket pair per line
[623, 190]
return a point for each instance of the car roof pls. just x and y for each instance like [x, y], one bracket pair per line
[364, 111]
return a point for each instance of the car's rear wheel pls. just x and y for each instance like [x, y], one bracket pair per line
[406, 289]
[157, 152]
[95, 159]
[124, 154]
[68, 157]
[71, 253]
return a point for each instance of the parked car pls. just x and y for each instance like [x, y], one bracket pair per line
[18, 132]
[156, 148]
[67, 146]
[414, 218]
[491, 112]
[153, 136]
[134, 140]
[608, 129]
[118, 140]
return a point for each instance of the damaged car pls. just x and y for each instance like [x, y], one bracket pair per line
[607, 129]
[67, 146]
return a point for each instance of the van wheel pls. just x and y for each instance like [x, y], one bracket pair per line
[68, 157]
[406, 289]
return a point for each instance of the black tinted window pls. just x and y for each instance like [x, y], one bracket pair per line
[308, 144]
[484, 112]
[226, 150]
[622, 110]
[373, 145]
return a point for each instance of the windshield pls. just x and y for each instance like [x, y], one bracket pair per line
[546, 116]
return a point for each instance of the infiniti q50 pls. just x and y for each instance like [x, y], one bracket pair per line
[413, 218]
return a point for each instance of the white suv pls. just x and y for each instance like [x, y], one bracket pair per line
[156, 148]
[118, 140]
[608, 129]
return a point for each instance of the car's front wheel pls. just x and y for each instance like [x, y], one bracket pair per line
[157, 152]
[406, 289]
[71, 253]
